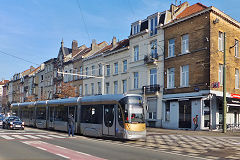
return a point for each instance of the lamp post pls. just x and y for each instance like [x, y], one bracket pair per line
[224, 86]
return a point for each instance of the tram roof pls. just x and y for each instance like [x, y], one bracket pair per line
[66, 101]
[106, 97]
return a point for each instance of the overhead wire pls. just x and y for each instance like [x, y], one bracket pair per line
[84, 23]
[18, 57]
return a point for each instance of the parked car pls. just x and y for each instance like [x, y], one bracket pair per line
[1, 120]
[13, 122]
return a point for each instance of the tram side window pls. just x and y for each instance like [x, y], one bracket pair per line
[41, 113]
[91, 114]
[61, 113]
[120, 117]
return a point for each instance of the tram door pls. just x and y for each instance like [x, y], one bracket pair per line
[51, 117]
[109, 120]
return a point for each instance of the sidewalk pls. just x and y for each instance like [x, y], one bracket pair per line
[229, 133]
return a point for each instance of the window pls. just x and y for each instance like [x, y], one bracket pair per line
[167, 111]
[153, 76]
[136, 28]
[99, 88]
[152, 115]
[236, 78]
[154, 49]
[236, 48]
[124, 85]
[108, 70]
[136, 53]
[76, 72]
[81, 71]
[93, 70]
[220, 41]
[184, 76]
[171, 47]
[115, 87]
[86, 89]
[92, 88]
[41, 78]
[107, 88]
[220, 74]
[86, 70]
[100, 69]
[135, 80]
[185, 45]
[170, 77]
[153, 26]
[115, 68]
[124, 66]
[80, 90]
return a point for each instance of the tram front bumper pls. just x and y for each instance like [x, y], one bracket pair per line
[133, 135]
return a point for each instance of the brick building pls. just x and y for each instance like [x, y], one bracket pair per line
[193, 68]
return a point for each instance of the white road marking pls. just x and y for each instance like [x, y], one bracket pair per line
[19, 137]
[6, 137]
[56, 136]
[43, 136]
[63, 156]
[31, 136]
[20, 133]
[41, 148]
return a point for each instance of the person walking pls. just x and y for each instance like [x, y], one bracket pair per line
[195, 122]
[71, 125]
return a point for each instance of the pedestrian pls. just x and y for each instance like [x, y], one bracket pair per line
[71, 125]
[195, 122]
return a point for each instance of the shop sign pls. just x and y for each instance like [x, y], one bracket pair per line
[235, 96]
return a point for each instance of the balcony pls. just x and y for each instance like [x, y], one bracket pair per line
[58, 78]
[151, 89]
[150, 59]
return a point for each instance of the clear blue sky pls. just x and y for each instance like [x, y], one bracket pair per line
[33, 29]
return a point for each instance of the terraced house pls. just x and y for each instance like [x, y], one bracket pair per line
[193, 69]
[146, 63]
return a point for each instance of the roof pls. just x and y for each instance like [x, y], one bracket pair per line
[122, 44]
[4, 82]
[67, 51]
[191, 10]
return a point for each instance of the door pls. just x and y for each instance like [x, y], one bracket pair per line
[51, 117]
[185, 114]
[109, 120]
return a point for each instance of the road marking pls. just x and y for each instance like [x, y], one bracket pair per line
[43, 136]
[41, 148]
[63, 156]
[19, 137]
[20, 133]
[61, 151]
[33, 137]
[6, 137]
[56, 136]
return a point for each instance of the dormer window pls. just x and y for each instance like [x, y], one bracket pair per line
[153, 25]
[135, 28]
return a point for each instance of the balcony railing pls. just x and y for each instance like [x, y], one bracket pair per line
[151, 89]
[150, 59]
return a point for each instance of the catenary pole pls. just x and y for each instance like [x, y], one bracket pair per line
[224, 86]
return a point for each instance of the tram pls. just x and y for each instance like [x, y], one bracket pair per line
[119, 115]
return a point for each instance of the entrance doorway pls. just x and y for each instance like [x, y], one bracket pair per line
[185, 111]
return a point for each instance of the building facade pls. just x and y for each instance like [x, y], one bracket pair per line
[194, 69]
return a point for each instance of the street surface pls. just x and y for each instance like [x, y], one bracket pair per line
[47, 145]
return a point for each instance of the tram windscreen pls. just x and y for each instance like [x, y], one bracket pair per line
[134, 110]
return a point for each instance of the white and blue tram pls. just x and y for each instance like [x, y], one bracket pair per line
[120, 116]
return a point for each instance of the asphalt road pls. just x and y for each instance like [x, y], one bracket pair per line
[34, 144]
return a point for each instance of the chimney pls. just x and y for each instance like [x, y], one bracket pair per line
[94, 44]
[74, 48]
[114, 41]
[62, 43]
